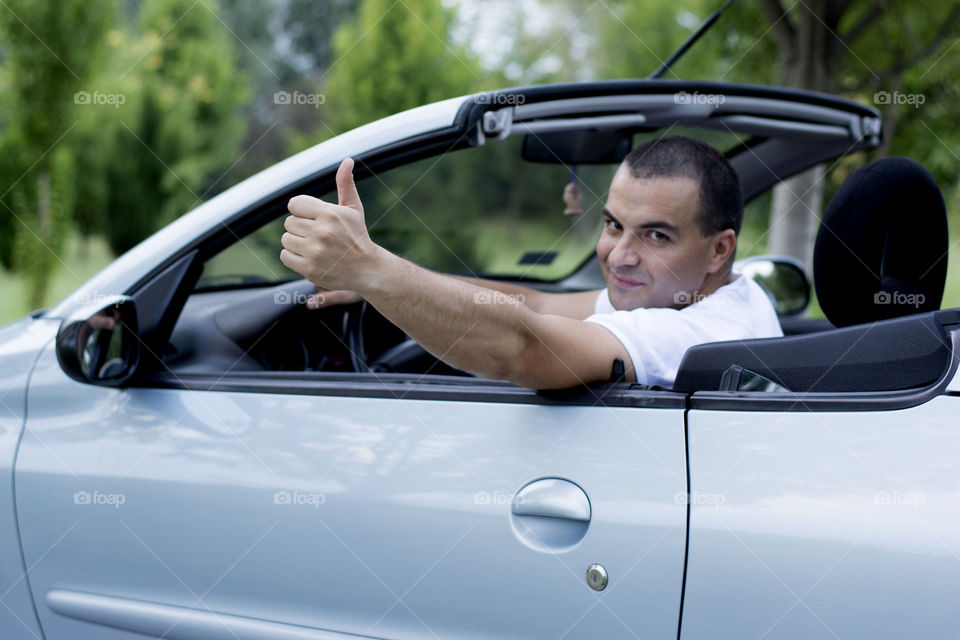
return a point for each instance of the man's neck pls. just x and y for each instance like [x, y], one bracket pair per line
[714, 281]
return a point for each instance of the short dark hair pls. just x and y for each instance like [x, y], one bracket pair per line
[721, 201]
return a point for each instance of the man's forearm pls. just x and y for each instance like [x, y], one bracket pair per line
[451, 317]
[520, 294]
[577, 305]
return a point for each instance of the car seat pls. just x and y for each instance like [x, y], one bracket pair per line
[881, 250]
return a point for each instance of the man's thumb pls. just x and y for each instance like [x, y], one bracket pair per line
[346, 188]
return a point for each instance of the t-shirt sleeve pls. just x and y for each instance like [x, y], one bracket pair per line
[655, 340]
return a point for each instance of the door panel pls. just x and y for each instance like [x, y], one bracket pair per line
[824, 525]
[381, 517]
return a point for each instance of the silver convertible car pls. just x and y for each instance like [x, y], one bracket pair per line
[190, 453]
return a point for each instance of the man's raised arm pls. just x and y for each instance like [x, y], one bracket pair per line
[455, 320]
[577, 305]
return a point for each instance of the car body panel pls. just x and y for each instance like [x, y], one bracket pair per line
[824, 524]
[413, 535]
[20, 343]
[954, 385]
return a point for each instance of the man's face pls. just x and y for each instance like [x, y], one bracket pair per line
[652, 251]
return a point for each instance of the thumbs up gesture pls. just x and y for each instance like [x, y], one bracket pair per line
[328, 243]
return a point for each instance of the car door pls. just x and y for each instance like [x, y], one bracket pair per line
[280, 506]
[830, 517]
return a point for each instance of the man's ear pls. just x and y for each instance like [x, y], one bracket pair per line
[722, 249]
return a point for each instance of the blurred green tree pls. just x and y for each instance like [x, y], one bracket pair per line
[818, 45]
[394, 56]
[51, 49]
[287, 47]
[179, 130]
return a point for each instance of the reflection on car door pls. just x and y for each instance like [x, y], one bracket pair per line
[233, 512]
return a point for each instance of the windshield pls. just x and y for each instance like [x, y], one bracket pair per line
[477, 211]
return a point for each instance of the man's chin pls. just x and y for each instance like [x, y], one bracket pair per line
[622, 303]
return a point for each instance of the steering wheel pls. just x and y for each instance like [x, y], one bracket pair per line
[394, 359]
[353, 335]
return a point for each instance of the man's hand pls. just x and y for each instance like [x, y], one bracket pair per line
[328, 243]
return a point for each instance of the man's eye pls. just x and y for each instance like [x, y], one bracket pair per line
[612, 225]
[659, 236]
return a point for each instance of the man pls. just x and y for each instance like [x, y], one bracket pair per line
[667, 248]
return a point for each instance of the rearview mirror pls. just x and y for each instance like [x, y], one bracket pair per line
[576, 147]
[100, 345]
[783, 279]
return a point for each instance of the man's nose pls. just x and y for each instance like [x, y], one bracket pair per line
[624, 253]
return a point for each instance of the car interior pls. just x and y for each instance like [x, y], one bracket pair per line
[879, 288]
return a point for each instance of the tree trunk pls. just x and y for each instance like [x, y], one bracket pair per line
[44, 208]
[807, 51]
[40, 265]
[889, 119]
[795, 215]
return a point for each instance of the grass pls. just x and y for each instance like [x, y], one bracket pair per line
[81, 260]
[951, 292]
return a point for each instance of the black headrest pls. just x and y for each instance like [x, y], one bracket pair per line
[881, 251]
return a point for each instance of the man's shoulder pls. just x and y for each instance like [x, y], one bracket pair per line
[754, 306]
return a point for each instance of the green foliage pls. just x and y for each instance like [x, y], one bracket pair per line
[311, 26]
[51, 47]
[178, 130]
[915, 56]
[631, 39]
[394, 56]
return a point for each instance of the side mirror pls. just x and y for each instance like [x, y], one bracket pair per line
[100, 345]
[782, 278]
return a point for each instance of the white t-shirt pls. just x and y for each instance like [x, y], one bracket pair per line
[657, 338]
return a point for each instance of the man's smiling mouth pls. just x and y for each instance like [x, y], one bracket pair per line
[624, 283]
